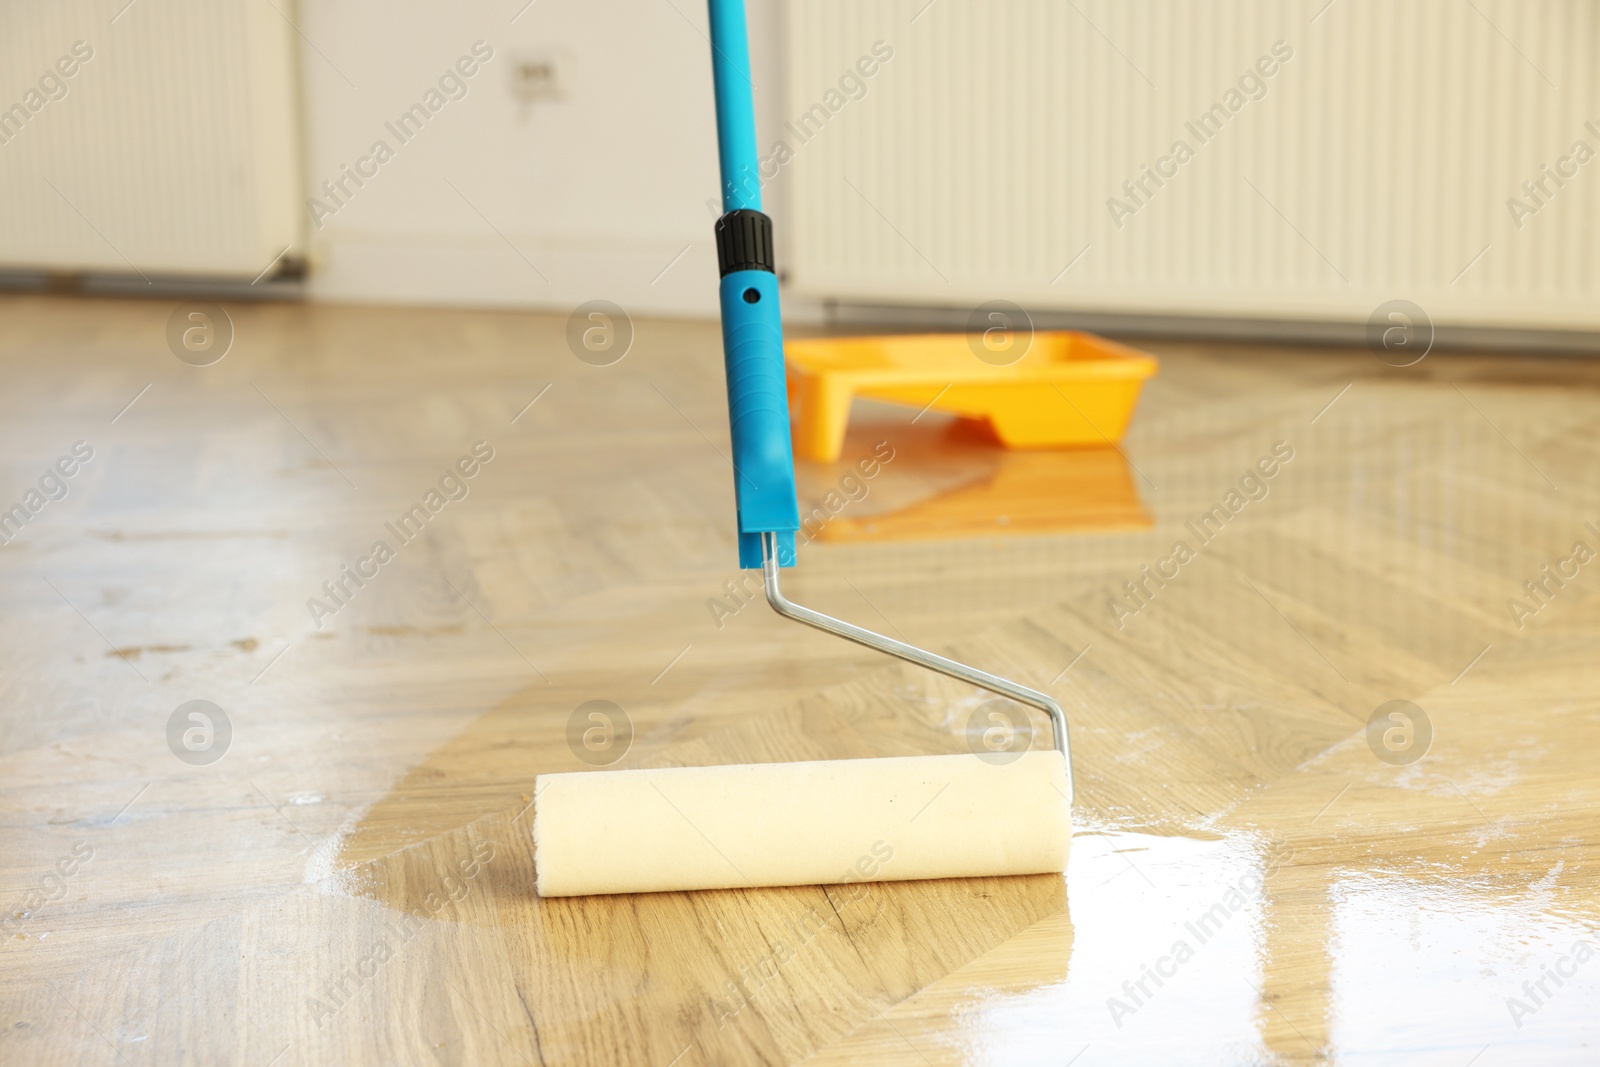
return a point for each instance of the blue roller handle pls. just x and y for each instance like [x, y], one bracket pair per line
[752, 332]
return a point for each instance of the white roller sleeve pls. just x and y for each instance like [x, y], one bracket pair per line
[826, 822]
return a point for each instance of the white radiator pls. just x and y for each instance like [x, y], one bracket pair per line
[157, 137]
[1384, 159]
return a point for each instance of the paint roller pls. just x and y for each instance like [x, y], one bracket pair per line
[810, 823]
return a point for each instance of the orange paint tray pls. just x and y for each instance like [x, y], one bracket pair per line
[1066, 389]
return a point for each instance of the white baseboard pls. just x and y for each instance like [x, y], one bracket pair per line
[643, 277]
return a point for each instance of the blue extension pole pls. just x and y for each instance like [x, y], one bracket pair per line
[752, 331]
[736, 117]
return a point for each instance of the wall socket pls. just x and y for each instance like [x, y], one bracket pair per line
[539, 78]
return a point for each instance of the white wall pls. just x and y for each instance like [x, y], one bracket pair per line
[598, 192]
